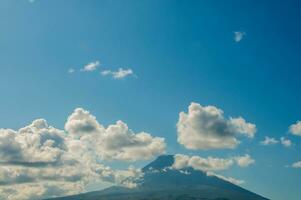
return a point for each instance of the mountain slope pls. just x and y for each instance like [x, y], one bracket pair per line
[163, 183]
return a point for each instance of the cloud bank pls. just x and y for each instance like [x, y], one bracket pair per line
[210, 165]
[41, 161]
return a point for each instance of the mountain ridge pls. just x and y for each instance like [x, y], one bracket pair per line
[162, 182]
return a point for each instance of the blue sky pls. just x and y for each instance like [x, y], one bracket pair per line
[179, 52]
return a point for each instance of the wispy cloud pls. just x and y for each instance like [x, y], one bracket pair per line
[296, 164]
[119, 74]
[106, 72]
[91, 66]
[285, 142]
[71, 71]
[239, 35]
[229, 179]
[269, 141]
[272, 141]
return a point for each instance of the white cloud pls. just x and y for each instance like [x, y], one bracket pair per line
[239, 35]
[10, 149]
[119, 74]
[36, 191]
[106, 72]
[69, 159]
[269, 141]
[244, 161]
[91, 66]
[20, 174]
[272, 141]
[229, 179]
[296, 164]
[82, 123]
[295, 129]
[116, 141]
[285, 142]
[129, 177]
[23, 182]
[241, 126]
[210, 164]
[120, 143]
[206, 164]
[71, 71]
[200, 163]
[35, 143]
[204, 127]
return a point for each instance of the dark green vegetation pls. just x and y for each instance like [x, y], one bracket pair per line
[162, 183]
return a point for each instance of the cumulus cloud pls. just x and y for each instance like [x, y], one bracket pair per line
[36, 191]
[123, 144]
[285, 142]
[22, 182]
[71, 158]
[244, 161]
[82, 123]
[239, 35]
[240, 125]
[10, 149]
[119, 74]
[295, 129]
[210, 163]
[129, 177]
[200, 163]
[269, 141]
[116, 141]
[35, 143]
[205, 127]
[91, 66]
[296, 164]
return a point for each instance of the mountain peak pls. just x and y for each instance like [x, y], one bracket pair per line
[160, 162]
[160, 181]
